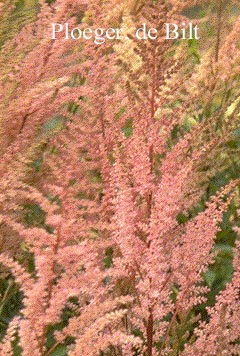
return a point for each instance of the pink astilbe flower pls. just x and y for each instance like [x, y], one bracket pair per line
[6, 344]
[220, 336]
[117, 170]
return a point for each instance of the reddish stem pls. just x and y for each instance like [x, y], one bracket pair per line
[150, 333]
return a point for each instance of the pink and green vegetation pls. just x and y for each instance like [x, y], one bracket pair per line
[119, 191]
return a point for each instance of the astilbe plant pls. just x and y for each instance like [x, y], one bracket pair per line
[118, 169]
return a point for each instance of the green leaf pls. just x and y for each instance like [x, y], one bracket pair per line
[55, 124]
[210, 277]
[109, 257]
[60, 350]
[128, 128]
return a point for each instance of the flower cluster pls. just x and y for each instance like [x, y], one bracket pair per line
[113, 144]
